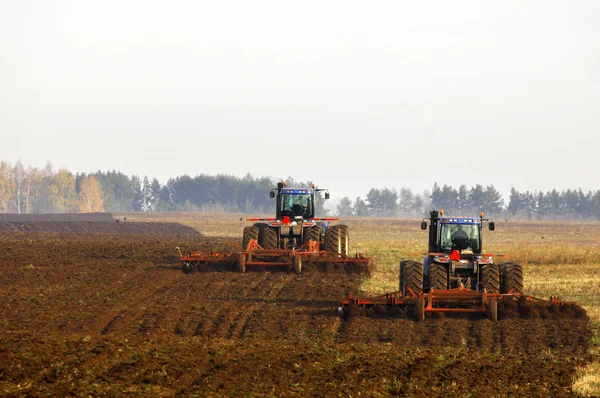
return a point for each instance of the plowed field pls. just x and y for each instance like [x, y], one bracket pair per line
[103, 227]
[111, 314]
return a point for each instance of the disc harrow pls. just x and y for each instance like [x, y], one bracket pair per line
[293, 259]
[459, 300]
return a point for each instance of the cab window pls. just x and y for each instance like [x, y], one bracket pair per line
[447, 231]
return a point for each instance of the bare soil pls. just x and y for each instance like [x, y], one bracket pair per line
[103, 227]
[112, 314]
[8, 217]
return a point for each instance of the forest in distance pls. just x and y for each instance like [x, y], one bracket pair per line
[37, 191]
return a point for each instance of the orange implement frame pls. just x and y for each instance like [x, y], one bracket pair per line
[460, 300]
[255, 255]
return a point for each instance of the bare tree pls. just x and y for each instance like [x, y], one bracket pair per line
[33, 179]
[6, 185]
[19, 176]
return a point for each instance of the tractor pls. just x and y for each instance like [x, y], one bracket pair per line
[295, 223]
[456, 260]
[290, 239]
[455, 277]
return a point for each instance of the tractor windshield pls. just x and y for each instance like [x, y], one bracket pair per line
[460, 237]
[293, 205]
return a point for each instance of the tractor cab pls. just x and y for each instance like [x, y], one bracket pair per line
[295, 203]
[462, 234]
[449, 234]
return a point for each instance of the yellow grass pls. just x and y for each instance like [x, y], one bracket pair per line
[558, 258]
[587, 380]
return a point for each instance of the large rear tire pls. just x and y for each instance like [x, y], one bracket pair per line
[513, 278]
[411, 276]
[345, 240]
[489, 276]
[269, 241]
[249, 234]
[333, 241]
[438, 276]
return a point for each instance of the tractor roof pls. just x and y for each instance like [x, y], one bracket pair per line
[292, 191]
[460, 220]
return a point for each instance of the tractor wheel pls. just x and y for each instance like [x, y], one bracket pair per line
[345, 238]
[513, 278]
[297, 265]
[312, 233]
[492, 310]
[420, 309]
[261, 228]
[269, 241]
[321, 230]
[249, 233]
[333, 241]
[502, 268]
[489, 276]
[241, 263]
[438, 276]
[411, 275]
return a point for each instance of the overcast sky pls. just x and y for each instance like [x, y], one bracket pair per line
[350, 94]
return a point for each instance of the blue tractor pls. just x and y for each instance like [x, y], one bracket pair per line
[455, 260]
[295, 223]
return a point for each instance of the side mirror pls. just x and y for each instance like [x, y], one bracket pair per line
[272, 194]
[423, 225]
[492, 226]
[326, 195]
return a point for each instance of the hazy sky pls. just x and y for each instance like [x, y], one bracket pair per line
[350, 94]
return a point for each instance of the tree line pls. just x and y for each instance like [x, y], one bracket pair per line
[33, 190]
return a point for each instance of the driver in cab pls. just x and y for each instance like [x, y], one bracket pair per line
[460, 239]
[296, 205]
